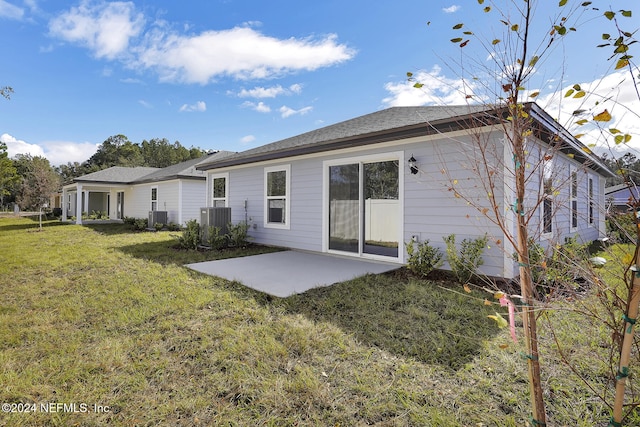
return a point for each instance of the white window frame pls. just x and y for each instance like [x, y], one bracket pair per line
[286, 225]
[590, 202]
[547, 174]
[212, 198]
[154, 208]
[573, 199]
[363, 159]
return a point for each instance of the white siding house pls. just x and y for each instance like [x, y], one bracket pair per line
[180, 190]
[353, 189]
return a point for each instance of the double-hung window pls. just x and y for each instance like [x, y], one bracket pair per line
[547, 196]
[591, 203]
[574, 199]
[277, 189]
[154, 198]
[219, 190]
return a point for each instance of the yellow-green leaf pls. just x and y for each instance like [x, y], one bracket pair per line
[534, 94]
[605, 116]
[580, 94]
[626, 13]
[457, 26]
[515, 27]
[610, 15]
[456, 40]
[534, 61]
[614, 131]
[495, 41]
[587, 150]
[622, 63]
[582, 122]
[622, 139]
[418, 85]
[409, 74]
[569, 93]
[501, 321]
[487, 9]
[571, 155]
[562, 2]
[606, 36]
[480, 1]
[578, 136]
[577, 87]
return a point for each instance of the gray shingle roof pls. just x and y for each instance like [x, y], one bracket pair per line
[396, 123]
[370, 124]
[116, 175]
[127, 175]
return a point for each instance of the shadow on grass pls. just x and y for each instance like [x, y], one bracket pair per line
[422, 319]
[33, 224]
[166, 252]
[109, 229]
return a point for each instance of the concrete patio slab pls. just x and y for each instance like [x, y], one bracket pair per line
[286, 273]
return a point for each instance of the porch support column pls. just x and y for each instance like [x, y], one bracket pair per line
[79, 193]
[63, 202]
[85, 208]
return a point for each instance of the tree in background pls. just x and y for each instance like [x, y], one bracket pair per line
[8, 173]
[117, 150]
[38, 181]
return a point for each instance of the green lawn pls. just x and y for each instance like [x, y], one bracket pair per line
[101, 316]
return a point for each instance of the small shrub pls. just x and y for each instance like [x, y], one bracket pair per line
[465, 262]
[238, 234]
[158, 226]
[129, 220]
[423, 258]
[140, 224]
[190, 237]
[621, 226]
[172, 226]
[215, 240]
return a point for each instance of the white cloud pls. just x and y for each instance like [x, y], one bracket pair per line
[58, 152]
[288, 112]
[241, 53]
[199, 106]
[62, 152]
[104, 27]
[111, 29]
[270, 92]
[262, 92]
[437, 89]
[145, 104]
[245, 140]
[451, 9]
[16, 146]
[10, 11]
[260, 107]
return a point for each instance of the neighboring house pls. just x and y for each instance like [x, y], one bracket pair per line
[353, 188]
[180, 190]
[620, 198]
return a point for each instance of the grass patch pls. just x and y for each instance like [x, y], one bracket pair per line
[99, 315]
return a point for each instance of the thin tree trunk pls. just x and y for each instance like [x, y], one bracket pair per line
[529, 320]
[625, 351]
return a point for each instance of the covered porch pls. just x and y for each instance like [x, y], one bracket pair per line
[81, 199]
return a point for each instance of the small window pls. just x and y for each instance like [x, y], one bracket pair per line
[591, 203]
[219, 192]
[154, 199]
[574, 199]
[277, 183]
[547, 202]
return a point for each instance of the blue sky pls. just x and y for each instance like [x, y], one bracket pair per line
[232, 75]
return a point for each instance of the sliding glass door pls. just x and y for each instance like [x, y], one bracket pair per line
[364, 208]
[381, 210]
[344, 208]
